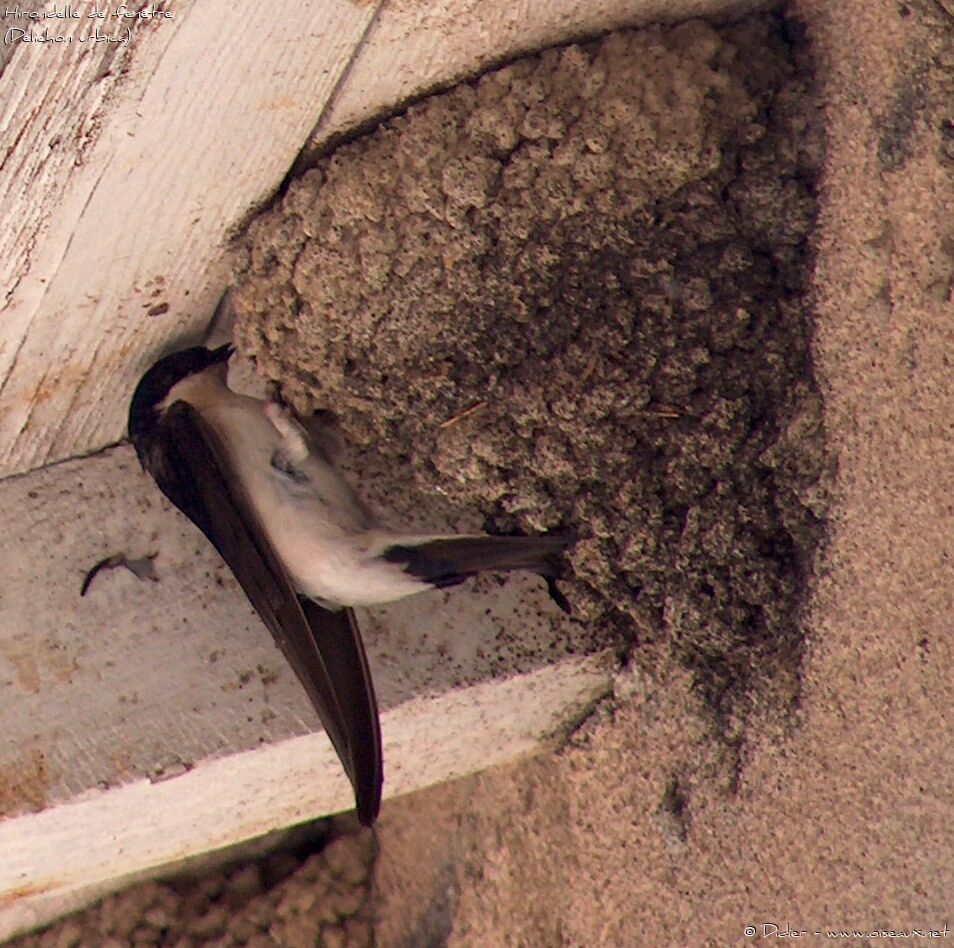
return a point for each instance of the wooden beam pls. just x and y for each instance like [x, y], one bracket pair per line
[107, 837]
[159, 692]
[123, 169]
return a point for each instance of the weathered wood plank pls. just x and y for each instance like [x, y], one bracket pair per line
[167, 696]
[121, 173]
[51, 859]
[143, 679]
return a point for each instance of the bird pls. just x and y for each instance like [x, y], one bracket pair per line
[262, 483]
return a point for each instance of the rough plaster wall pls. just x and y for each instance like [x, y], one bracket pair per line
[572, 293]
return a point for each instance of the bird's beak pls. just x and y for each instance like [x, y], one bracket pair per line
[223, 353]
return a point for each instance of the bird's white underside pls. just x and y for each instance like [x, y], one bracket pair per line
[316, 524]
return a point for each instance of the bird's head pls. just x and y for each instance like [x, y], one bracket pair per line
[155, 385]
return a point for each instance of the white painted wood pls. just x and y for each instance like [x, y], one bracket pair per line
[167, 697]
[414, 47]
[51, 857]
[142, 679]
[122, 170]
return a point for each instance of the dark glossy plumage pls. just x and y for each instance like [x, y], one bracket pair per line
[191, 467]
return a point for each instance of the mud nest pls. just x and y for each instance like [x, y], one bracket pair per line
[573, 293]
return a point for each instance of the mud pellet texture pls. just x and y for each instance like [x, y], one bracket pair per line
[573, 293]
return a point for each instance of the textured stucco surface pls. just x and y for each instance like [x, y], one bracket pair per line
[837, 814]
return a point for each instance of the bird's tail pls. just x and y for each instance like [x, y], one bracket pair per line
[447, 561]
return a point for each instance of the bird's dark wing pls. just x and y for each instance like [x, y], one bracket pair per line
[447, 561]
[324, 648]
[346, 669]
